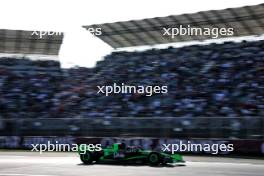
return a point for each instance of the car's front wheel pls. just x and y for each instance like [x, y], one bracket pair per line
[86, 158]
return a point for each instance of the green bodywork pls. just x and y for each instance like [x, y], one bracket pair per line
[133, 154]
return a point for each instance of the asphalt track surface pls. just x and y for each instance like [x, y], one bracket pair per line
[68, 164]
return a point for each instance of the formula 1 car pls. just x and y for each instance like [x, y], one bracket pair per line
[120, 153]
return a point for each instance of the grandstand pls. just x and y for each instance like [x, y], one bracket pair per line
[210, 80]
[245, 21]
[115, 118]
[216, 81]
[18, 42]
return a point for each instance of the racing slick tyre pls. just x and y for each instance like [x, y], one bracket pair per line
[154, 159]
[86, 158]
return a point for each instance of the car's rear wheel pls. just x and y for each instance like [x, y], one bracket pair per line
[154, 159]
[86, 158]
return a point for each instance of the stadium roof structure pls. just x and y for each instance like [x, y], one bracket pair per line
[29, 42]
[246, 21]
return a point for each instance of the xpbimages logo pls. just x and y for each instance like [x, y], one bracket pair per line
[57, 147]
[197, 31]
[41, 34]
[131, 89]
[189, 146]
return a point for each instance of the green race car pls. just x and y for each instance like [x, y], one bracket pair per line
[120, 153]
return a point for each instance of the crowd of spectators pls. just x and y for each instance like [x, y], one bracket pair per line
[203, 80]
[27, 87]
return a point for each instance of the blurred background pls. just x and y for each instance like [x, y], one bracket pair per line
[215, 89]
